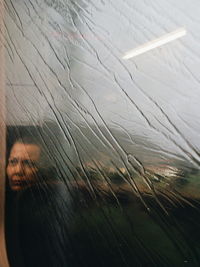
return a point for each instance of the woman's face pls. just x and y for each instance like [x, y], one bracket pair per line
[21, 168]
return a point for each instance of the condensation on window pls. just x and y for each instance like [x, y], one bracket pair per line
[103, 153]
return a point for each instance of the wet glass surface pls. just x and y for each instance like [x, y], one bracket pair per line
[106, 149]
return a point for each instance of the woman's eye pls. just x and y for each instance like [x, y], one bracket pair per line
[13, 161]
[29, 163]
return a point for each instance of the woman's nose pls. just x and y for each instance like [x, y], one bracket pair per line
[19, 168]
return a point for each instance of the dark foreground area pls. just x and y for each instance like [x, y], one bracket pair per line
[52, 225]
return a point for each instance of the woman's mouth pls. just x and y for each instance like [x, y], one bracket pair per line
[18, 184]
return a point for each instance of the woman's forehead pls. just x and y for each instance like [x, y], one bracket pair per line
[21, 150]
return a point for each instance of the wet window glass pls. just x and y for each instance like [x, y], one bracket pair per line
[102, 132]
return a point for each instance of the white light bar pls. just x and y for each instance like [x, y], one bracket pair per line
[156, 43]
